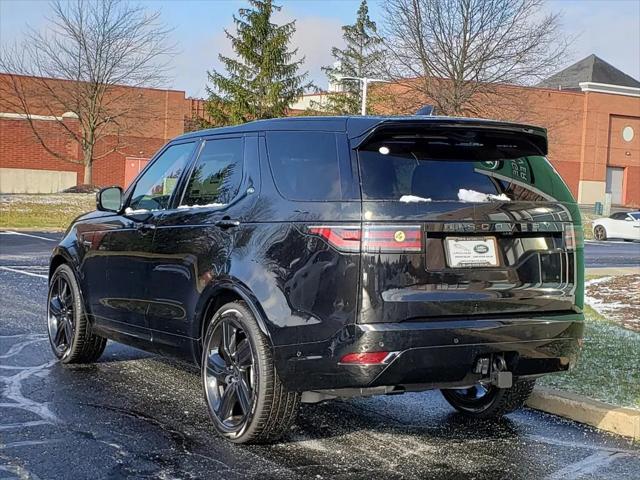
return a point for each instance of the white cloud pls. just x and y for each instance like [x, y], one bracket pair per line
[315, 37]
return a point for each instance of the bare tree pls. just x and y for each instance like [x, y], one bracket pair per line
[80, 64]
[458, 53]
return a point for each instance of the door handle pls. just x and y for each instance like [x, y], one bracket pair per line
[227, 223]
[145, 227]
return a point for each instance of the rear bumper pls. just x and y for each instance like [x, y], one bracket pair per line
[434, 354]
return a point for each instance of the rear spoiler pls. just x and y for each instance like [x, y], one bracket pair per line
[520, 140]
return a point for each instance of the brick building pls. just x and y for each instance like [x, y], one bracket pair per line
[591, 109]
[152, 117]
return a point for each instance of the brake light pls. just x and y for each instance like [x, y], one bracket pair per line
[343, 238]
[374, 238]
[364, 358]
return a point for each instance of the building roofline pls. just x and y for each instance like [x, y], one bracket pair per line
[608, 88]
[159, 89]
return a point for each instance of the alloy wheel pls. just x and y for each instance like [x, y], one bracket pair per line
[60, 315]
[229, 374]
[600, 233]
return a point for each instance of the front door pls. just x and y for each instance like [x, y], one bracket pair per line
[127, 244]
[615, 180]
[631, 226]
[195, 242]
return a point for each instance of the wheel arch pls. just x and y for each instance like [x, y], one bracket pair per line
[58, 257]
[222, 293]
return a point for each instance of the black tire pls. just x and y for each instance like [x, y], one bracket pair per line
[599, 233]
[272, 408]
[83, 346]
[495, 403]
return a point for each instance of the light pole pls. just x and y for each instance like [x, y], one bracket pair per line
[365, 87]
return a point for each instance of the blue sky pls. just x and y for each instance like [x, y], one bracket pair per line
[608, 28]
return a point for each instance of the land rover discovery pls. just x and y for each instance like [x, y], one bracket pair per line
[307, 259]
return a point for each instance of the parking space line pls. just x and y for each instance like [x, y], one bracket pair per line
[11, 232]
[31, 274]
[587, 466]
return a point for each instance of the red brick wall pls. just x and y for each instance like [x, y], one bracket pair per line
[19, 147]
[156, 117]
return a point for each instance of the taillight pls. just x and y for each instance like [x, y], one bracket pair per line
[375, 238]
[346, 238]
[391, 238]
[573, 237]
[365, 358]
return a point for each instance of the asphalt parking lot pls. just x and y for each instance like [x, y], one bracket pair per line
[611, 253]
[137, 415]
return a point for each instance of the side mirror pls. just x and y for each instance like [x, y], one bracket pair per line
[109, 199]
[629, 219]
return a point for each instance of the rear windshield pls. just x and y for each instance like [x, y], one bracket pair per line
[406, 171]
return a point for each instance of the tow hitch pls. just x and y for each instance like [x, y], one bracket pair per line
[495, 367]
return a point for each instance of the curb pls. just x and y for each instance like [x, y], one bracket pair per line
[618, 420]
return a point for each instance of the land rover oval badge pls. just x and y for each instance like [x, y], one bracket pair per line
[399, 236]
[481, 249]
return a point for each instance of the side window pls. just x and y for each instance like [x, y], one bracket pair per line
[305, 165]
[154, 188]
[217, 174]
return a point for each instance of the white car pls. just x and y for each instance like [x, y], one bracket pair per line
[623, 225]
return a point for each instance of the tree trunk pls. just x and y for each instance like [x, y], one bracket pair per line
[88, 166]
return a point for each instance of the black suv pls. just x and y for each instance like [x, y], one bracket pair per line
[307, 259]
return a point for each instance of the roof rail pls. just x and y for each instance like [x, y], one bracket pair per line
[426, 110]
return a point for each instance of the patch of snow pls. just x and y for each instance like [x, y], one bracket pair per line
[595, 281]
[208, 205]
[131, 211]
[413, 199]
[47, 199]
[465, 195]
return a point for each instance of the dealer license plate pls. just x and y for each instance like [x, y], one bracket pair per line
[471, 252]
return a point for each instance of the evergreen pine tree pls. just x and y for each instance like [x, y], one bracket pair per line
[264, 78]
[360, 58]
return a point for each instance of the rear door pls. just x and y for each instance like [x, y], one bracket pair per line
[463, 223]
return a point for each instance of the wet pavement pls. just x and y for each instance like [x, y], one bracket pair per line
[137, 415]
